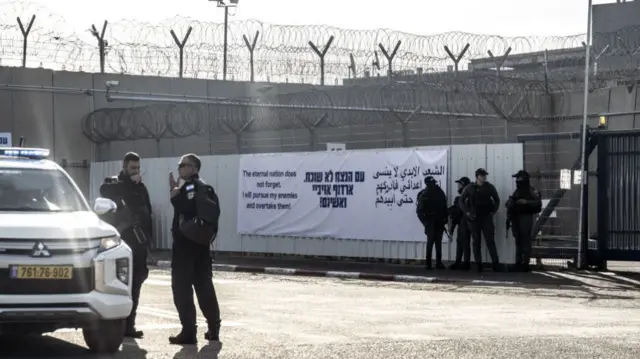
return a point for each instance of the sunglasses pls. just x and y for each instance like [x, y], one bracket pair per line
[183, 165]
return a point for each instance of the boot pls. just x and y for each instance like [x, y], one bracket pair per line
[133, 333]
[440, 265]
[455, 266]
[184, 338]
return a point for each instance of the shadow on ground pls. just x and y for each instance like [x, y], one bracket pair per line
[20, 347]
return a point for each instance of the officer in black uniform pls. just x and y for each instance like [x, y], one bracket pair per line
[479, 201]
[458, 219]
[522, 206]
[133, 221]
[191, 267]
[432, 212]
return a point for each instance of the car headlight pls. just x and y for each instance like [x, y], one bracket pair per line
[108, 243]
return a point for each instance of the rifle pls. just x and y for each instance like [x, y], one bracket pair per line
[510, 206]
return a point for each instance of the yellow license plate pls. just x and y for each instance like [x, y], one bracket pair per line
[42, 272]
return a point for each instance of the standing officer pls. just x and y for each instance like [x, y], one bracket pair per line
[479, 201]
[458, 219]
[133, 221]
[191, 266]
[522, 206]
[432, 211]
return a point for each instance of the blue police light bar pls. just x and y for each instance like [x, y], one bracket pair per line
[30, 153]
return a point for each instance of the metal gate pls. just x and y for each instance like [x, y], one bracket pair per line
[618, 198]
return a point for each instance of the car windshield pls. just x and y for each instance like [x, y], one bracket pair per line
[38, 190]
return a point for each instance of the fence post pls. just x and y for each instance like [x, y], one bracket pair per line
[180, 45]
[456, 59]
[321, 56]
[376, 61]
[101, 43]
[352, 66]
[239, 132]
[404, 122]
[25, 35]
[390, 57]
[251, 47]
[499, 61]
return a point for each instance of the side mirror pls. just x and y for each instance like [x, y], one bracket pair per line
[104, 206]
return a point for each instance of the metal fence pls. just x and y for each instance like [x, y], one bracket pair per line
[279, 53]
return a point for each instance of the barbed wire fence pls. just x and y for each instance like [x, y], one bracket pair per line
[280, 53]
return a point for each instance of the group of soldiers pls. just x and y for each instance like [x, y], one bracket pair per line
[473, 213]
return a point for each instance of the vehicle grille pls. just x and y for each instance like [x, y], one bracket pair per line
[82, 282]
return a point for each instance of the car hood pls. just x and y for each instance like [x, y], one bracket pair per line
[53, 225]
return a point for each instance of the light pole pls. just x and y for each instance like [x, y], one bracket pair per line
[583, 178]
[226, 4]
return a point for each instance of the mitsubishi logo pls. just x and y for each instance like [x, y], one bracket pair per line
[40, 250]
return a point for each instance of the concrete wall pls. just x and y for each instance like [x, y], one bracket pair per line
[500, 160]
[53, 118]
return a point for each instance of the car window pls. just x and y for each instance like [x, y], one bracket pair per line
[38, 190]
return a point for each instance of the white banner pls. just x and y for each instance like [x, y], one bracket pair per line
[5, 139]
[354, 194]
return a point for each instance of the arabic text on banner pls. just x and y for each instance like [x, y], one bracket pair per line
[355, 194]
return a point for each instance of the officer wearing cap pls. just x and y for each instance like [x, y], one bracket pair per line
[458, 219]
[479, 201]
[522, 206]
[432, 212]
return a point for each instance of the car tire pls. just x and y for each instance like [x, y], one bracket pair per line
[105, 336]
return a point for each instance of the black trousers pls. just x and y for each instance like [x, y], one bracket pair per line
[463, 243]
[434, 232]
[522, 226]
[140, 273]
[484, 226]
[191, 269]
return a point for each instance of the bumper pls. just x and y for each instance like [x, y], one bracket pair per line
[65, 309]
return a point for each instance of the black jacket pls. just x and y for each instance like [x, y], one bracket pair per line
[185, 205]
[478, 201]
[432, 205]
[134, 205]
[532, 206]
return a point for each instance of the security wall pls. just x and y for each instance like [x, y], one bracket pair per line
[500, 160]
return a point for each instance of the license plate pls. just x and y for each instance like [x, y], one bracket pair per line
[41, 272]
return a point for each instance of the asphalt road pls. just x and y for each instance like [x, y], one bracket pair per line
[301, 317]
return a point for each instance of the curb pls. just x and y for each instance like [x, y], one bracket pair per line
[344, 275]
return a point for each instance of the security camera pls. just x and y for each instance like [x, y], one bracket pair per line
[112, 83]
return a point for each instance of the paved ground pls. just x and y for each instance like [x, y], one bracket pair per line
[284, 317]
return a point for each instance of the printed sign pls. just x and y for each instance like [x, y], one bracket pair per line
[345, 194]
[5, 139]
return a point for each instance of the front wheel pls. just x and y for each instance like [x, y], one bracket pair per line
[105, 336]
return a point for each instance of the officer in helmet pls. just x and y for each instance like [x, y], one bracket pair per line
[522, 206]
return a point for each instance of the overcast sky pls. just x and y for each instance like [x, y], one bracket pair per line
[500, 17]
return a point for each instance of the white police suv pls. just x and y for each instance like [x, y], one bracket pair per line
[60, 265]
